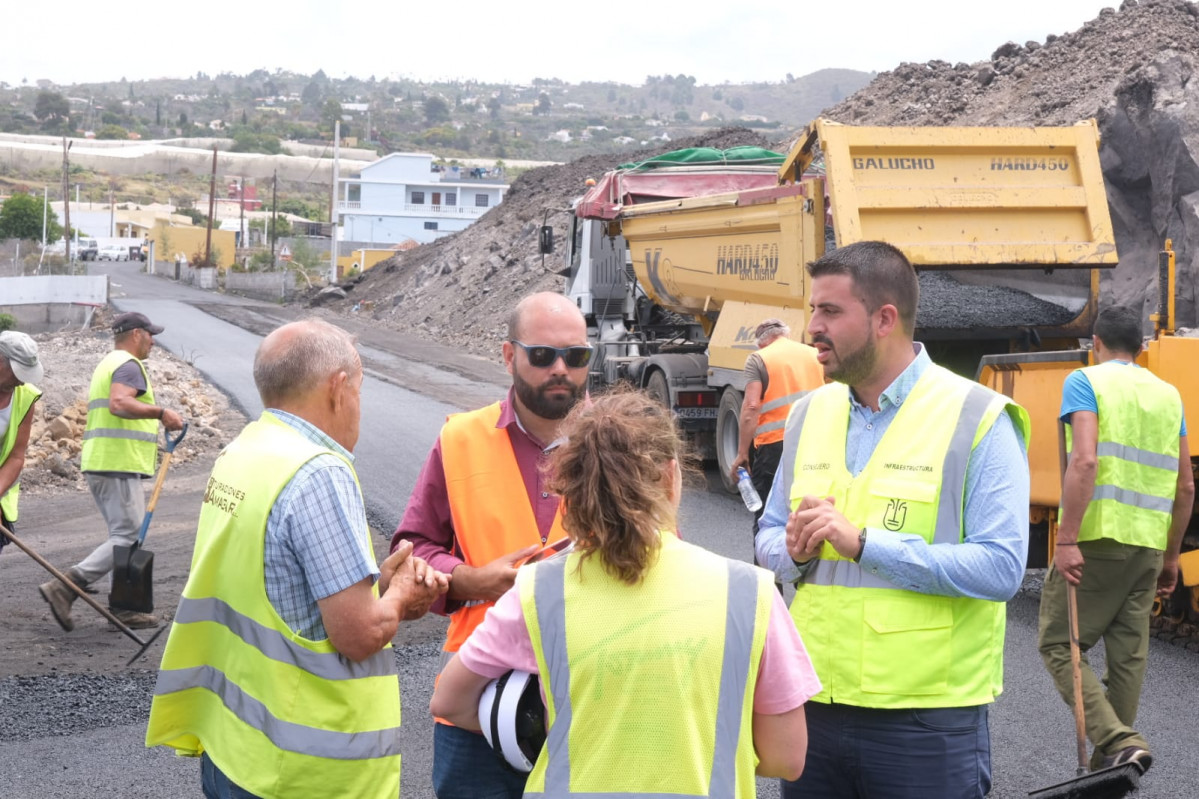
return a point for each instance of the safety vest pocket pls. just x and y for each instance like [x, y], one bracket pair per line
[902, 506]
[906, 645]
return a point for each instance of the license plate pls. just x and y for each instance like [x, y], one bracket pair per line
[695, 413]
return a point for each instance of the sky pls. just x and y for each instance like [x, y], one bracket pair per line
[515, 42]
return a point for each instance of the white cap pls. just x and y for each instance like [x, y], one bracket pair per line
[21, 352]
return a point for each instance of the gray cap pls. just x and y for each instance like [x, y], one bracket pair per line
[21, 352]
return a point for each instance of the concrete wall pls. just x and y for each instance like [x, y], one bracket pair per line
[263, 285]
[52, 302]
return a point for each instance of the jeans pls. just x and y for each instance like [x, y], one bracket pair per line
[216, 785]
[863, 753]
[466, 767]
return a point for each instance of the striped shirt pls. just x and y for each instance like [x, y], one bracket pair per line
[316, 535]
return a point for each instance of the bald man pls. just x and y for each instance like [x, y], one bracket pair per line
[480, 506]
[279, 669]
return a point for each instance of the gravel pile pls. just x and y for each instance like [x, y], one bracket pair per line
[947, 304]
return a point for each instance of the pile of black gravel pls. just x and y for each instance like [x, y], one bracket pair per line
[61, 704]
[947, 304]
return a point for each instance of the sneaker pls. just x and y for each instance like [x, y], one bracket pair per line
[1139, 757]
[59, 598]
[133, 619]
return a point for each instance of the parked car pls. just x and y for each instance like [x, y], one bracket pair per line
[85, 249]
[114, 252]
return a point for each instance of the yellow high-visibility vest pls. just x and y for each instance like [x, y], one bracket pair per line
[23, 397]
[1140, 421]
[281, 715]
[648, 687]
[875, 644]
[110, 443]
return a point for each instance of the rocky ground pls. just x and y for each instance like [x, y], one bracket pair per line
[1130, 69]
[52, 460]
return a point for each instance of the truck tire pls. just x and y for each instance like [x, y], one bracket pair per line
[656, 387]
[728, 434]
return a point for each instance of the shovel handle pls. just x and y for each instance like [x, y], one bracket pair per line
[62, 578]
[1080, 724]
[171, 443]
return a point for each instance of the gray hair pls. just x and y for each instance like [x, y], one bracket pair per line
[769, 330]
[297, 357]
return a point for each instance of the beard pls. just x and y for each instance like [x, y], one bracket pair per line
[540, 402]
[852, 367]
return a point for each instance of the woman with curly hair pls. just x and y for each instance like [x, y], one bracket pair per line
[664, 668]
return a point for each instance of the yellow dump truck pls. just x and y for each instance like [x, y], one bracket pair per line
[1007, 225]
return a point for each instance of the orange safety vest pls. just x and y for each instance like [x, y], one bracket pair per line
[792, 371]
[489, 504]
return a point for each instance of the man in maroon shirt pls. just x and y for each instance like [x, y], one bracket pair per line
[463, 524]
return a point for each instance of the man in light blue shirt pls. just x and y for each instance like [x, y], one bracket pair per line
[866, 741]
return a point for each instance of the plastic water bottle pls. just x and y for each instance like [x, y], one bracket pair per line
[749, 494]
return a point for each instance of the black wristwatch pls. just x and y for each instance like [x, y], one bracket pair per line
[861, 546]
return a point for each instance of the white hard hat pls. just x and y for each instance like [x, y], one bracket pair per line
[512, 716]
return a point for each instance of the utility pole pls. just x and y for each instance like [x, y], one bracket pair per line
[112, 209]
[211, 211]
[333, 205]
[274, 214]
[241, 224]
[45, 212]
[66, 196]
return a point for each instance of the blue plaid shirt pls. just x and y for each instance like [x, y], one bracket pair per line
[316, 535]
[989, 564]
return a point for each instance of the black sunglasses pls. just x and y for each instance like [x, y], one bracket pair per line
[542, 356]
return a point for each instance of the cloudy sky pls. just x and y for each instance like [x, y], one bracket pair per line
[519, 40]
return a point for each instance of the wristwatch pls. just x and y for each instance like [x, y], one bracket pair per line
[861, 546]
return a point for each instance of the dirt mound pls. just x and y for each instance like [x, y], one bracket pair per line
[1131, 70]
[460, 288]
[52, 460]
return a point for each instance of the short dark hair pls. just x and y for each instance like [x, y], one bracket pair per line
[1119, 328]
[881, 275]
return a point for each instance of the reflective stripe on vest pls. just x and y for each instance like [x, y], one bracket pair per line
[743, 597]
[23, 398]
[111, 443]
[1137, 446]
[873, 642]
[270, 707]
[489, 503]
[792, 370]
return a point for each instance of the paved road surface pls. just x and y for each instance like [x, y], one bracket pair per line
[404, 403]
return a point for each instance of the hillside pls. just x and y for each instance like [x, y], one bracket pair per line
[1129, 69]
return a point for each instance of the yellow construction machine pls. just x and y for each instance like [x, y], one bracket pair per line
[1007, 227]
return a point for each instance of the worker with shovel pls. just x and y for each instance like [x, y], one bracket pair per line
[1126, 501]
[120, 447]
[19, 370]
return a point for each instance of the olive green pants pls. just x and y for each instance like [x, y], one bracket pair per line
[1115, 599]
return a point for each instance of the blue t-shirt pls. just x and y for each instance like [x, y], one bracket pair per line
[1078, 395]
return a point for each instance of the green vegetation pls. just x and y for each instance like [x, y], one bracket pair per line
[21, 218]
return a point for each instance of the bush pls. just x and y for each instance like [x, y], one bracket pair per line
[7, 322]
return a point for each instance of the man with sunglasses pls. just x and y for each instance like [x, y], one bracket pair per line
[481, 506]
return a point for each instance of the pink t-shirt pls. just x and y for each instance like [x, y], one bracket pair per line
[786, 678]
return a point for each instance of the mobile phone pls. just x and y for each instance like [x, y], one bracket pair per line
[549, 550]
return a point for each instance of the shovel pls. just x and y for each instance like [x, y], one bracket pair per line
[105, 612]
[132, 566]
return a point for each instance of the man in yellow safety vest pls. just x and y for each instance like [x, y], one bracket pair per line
[1126, 502]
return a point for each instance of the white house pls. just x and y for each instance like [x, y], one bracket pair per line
[404, 197]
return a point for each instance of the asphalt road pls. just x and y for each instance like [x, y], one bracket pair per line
[404, 403]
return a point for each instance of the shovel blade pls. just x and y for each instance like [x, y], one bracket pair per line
[132, 579]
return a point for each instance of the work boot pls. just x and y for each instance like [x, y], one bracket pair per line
[75, 576]
[133, 619]
[59, 598]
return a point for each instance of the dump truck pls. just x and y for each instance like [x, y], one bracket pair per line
[1008, 228]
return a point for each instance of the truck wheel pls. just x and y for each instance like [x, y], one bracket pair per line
[728, 435]
[657, 389]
